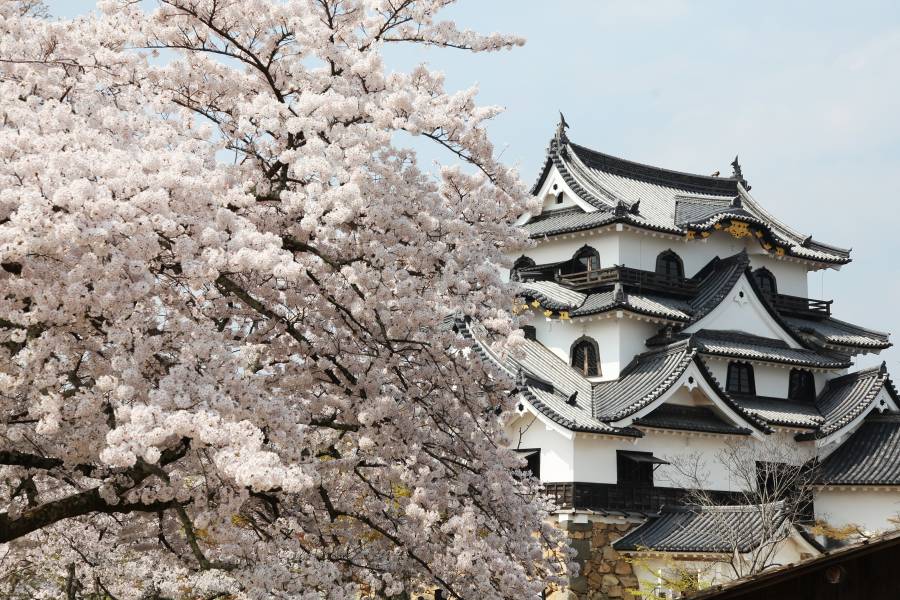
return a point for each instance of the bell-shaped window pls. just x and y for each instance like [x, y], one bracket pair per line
[740, 378]
[586, 259]
[669, 264]
[523, 262]
[586, 357]
[766, 281]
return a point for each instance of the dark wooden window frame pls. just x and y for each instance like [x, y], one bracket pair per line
[802, 386]
[740, 378]
[636, 468]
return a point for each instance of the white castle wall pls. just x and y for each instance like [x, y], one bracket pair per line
[639, 250]
[557, 450]
[770, 380]
[871, 510]
[618, 338]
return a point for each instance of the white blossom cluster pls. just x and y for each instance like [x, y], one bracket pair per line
[223, 366]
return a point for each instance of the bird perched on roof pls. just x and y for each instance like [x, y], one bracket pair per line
[716, 174]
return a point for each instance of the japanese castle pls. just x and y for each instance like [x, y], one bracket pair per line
[666, 315]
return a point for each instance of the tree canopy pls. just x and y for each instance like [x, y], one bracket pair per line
[224, 369]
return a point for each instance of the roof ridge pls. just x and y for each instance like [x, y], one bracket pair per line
[667, 177]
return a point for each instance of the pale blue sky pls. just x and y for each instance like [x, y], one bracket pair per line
[808, 93]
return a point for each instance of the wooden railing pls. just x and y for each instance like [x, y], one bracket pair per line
[628, 498]
[800, 306]
[634, 278]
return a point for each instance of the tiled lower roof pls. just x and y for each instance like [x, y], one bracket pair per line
[716, 280]
[833, 332]
[555, 222]
[689, 418]
[644, 380]
[736, 344]
[870, 457]
[651, 374]
[702, 529]
[847, 397]
[566, 397]
[777, 411]
[554, 296]
[547, 382]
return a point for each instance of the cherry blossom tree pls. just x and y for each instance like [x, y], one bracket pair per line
[225, 365]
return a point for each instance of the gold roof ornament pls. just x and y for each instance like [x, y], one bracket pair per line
[739, 229]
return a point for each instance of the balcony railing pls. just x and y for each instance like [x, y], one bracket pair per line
[626, 498]
[635, 278]
[799, 306]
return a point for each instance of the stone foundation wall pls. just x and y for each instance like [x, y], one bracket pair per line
[604, 574]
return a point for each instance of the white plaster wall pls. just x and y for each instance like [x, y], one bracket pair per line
[871, 510]
[550, 200]
[741, 310]
[640, 250]
[711, 573]
[595, 458]
[557, 450]
[632, 337]
[770, 380]
[556, 249]
[618, 339]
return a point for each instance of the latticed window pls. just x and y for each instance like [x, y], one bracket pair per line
[669, 264]
[801, 386]
[740, 378]
[765, 280]
[586, 358]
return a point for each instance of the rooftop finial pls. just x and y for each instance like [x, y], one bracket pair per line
[561, 129]
[737, 174]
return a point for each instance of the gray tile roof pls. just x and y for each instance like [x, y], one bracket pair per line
[644, 380]
[548, 382]
[778, 411]
[716, 280]
[689, 418]
[845, 398]
[871, 456]
[736, 344]
[651, 374]
[659, 199]
[833, 332]
[702, 529]
[554, 296]
[555, 222]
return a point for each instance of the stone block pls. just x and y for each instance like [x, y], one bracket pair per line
[600, 539]
[609, 553]
[623, 568]
[605, 567]
[578, 584]
[613, 536]
[615, 592]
